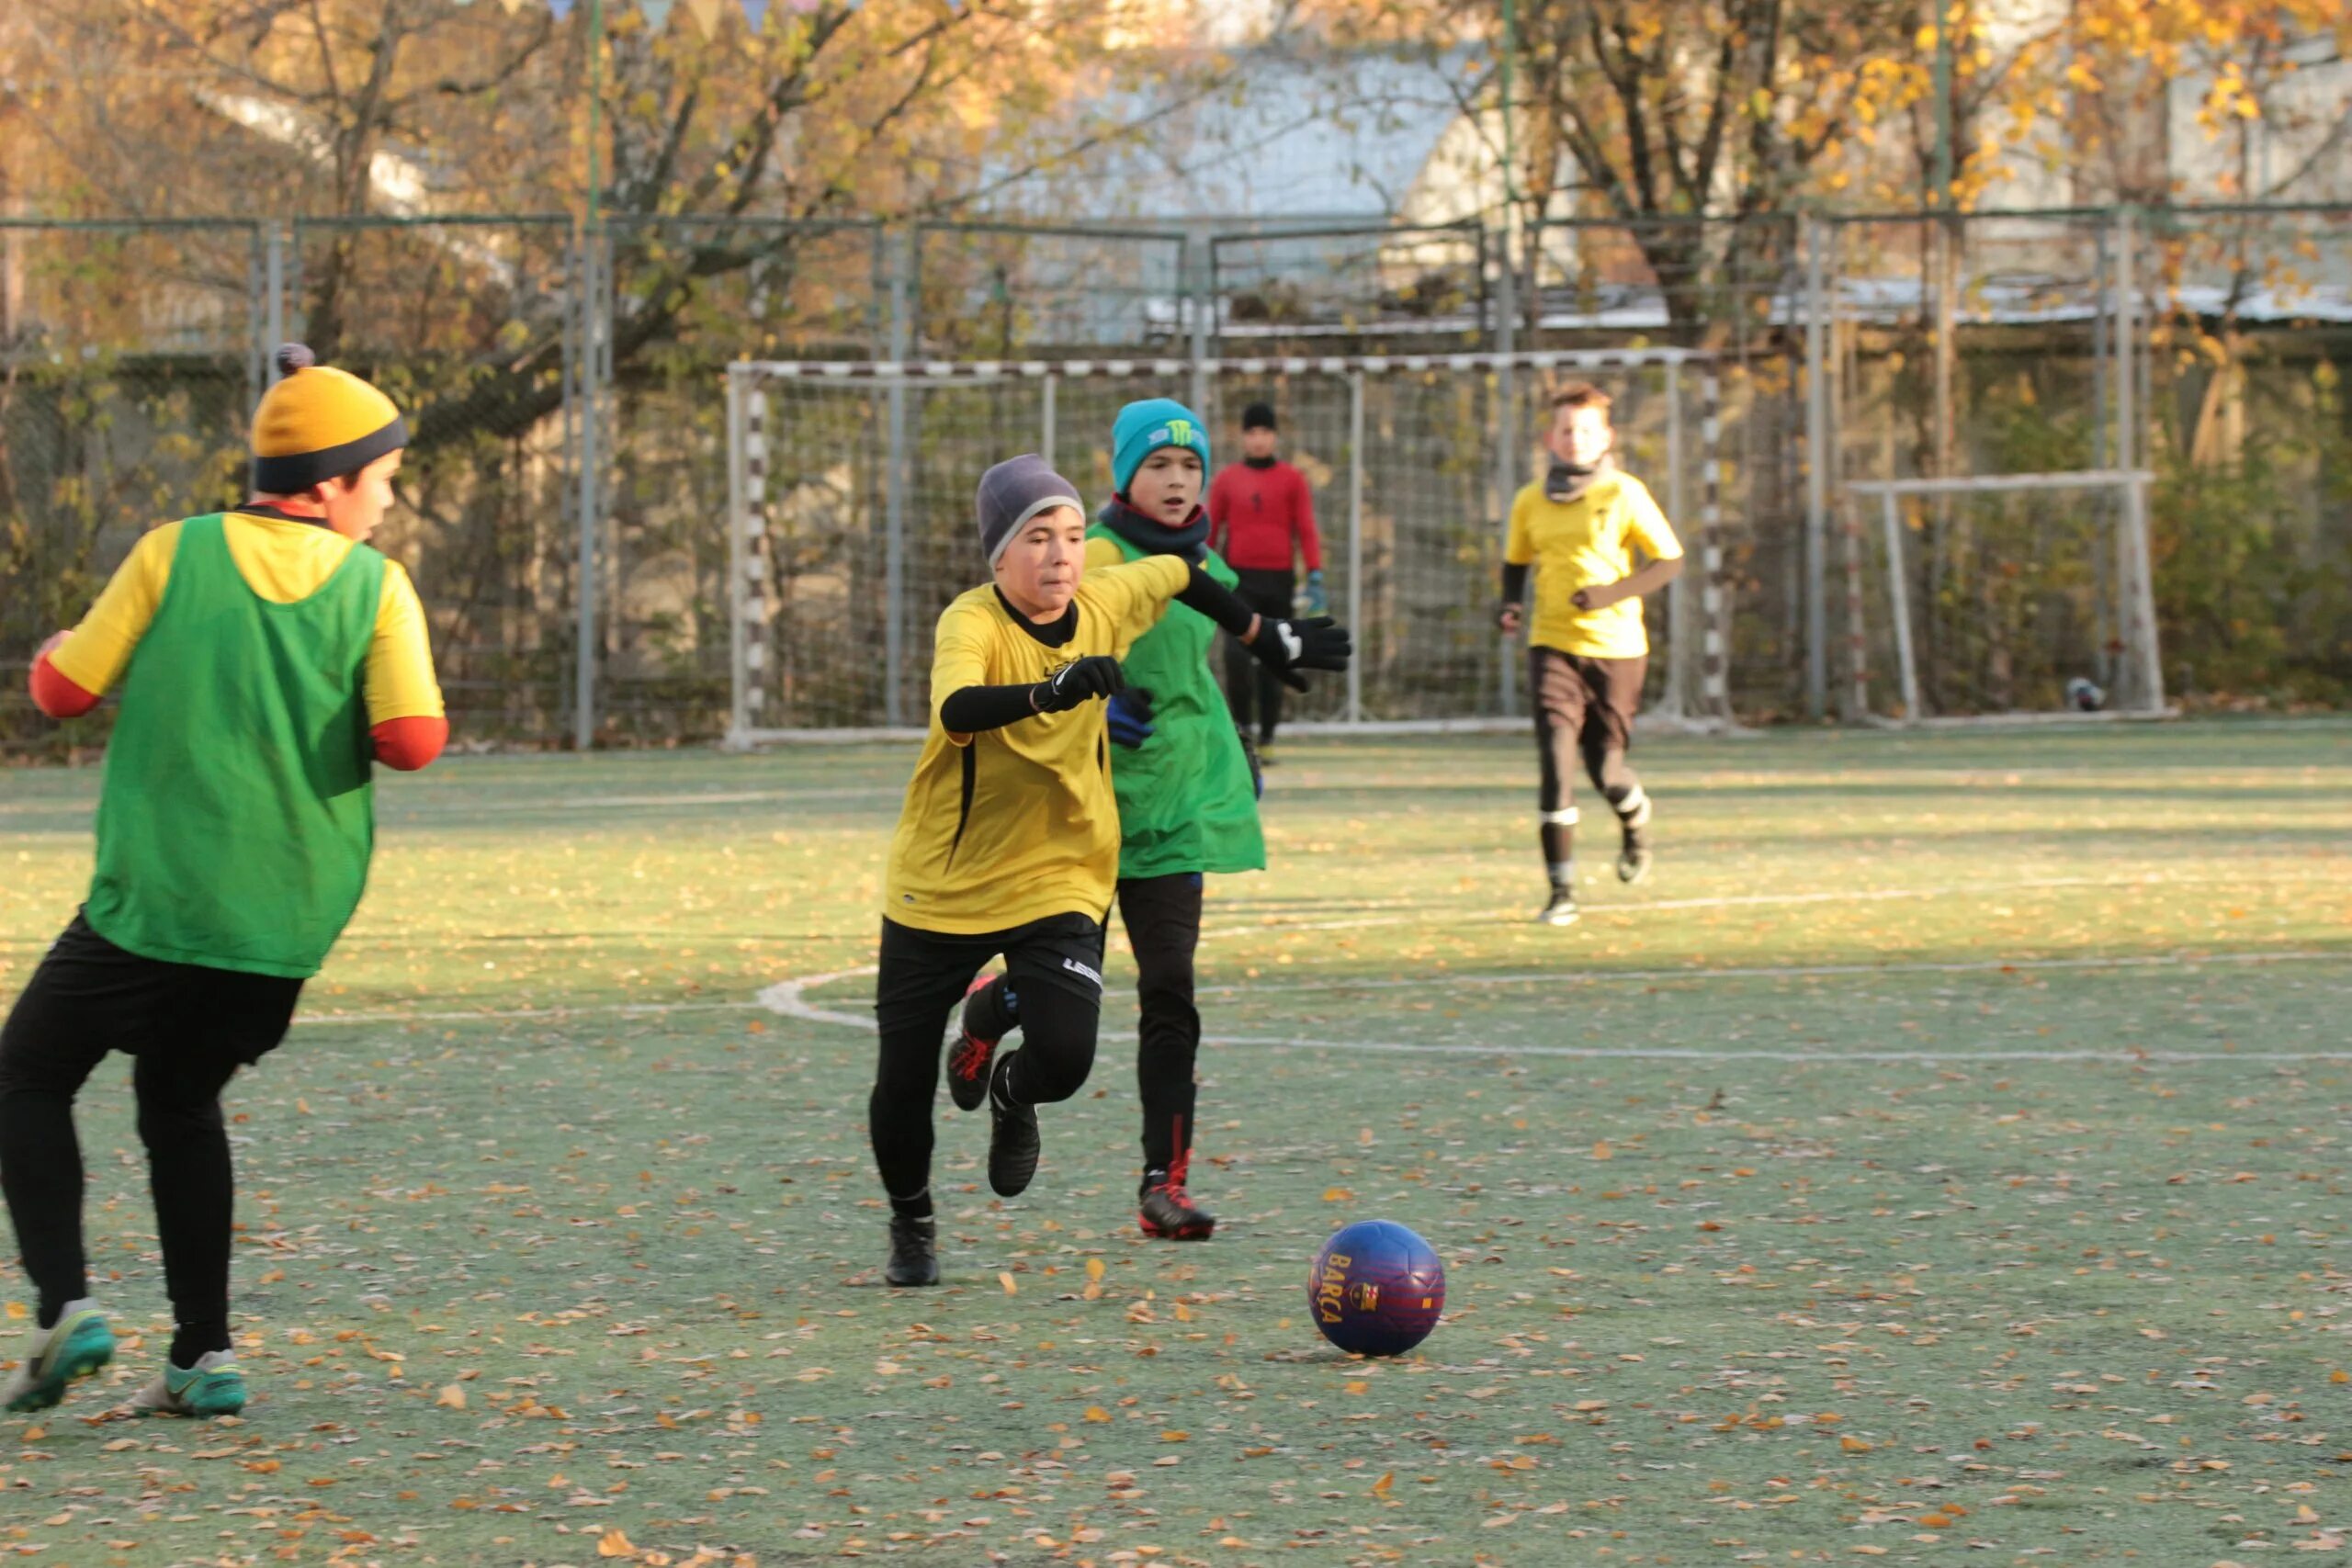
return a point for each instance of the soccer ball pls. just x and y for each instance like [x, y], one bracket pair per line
[1377, 1289]
[2084, 696]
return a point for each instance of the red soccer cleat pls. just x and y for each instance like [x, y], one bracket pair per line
[1169, 1213]
[969, 1058]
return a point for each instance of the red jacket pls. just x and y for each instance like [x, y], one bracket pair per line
[1257, 514]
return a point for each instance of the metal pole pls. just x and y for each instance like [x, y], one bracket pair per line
[1714, 602]
[1506, 418]
[2127, 446]
[1678, 597]
[584, 710]
[738, 709]
[1204, 291]
[1817, 478]
[894, 504]
[1856, 643]
[274, 301]
[595, 92]
[2104, 613]
[1048, 398]
[2144, 651]
[1898, 592]
[1355, 546]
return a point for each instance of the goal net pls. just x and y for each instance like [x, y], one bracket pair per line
[1999, 597]
[851, 527]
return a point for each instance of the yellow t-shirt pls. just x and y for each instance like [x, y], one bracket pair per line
[284, 562]
[1586, 542]
[1017, 824]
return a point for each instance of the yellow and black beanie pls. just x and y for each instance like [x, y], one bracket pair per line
[318, 423]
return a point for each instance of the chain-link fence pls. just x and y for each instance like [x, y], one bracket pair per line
[129, 366]
[553, 376]
[853, 527]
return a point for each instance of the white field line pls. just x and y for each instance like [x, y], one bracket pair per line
[1735, 901]
[626, 1010]
[789, 998]
[1441, 981]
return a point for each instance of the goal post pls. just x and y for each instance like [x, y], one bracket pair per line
[2044, 606]
[850, 528]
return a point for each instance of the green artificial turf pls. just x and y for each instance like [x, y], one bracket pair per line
[1942, 1156]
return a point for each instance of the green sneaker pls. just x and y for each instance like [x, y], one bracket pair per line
[78, 1345]
[214, 1386]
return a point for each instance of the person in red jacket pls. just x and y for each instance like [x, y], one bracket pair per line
[1262, 520]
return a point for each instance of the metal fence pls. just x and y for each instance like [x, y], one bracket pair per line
[565, 507]
[851, 482]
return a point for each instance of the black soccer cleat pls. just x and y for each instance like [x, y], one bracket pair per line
[969, 1058]
[1633, 856]
[1561, 910]
[1167, 1211]
[914, 1258]
[1013, 1143]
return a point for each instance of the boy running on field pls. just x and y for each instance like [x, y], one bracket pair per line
[269, 657]
[1008, 844]
[1188, 799]
[1580, 528]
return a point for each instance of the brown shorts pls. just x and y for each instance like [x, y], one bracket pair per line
[1584, 708]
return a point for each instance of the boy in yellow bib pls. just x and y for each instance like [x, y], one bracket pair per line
[1598, 543]
[1009, 839]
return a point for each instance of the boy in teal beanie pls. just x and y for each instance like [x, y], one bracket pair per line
[1187, 792]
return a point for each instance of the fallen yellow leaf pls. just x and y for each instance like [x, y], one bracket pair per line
[612, 1543]
[451, 1398]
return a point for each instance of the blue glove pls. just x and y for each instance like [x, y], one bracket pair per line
[1316, 603]
[1130, 717]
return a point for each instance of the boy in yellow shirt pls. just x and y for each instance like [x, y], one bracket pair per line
[1009, 840]
[1581, 527]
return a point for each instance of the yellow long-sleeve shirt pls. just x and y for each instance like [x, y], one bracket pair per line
[283, 561]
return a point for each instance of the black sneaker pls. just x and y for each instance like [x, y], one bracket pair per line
[913, 1260]
[1561, 910]
[1633, 857]
[1013, 1143]
[969, 1058]
[1168, 1212]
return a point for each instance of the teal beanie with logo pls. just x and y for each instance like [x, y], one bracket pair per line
[1143, 428]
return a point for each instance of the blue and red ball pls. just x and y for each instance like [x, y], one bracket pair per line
[1377, 1289]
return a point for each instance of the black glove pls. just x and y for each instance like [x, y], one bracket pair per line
[1080, 681]
[1285, 647]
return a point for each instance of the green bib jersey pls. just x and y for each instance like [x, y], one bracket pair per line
[237, 815]
[1186, 803]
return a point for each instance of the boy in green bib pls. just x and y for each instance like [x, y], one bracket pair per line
[269, 657]
[1186, 786]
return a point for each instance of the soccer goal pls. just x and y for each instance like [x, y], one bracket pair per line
[850, 483]
[2001, 597]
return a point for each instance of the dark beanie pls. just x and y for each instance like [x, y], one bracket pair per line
[1257, 416]
[1013, 493]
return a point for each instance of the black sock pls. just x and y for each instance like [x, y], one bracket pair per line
[915, 1208]
[1152, 1178]
[196, 1340]
[993, 1012]
[49, 1313]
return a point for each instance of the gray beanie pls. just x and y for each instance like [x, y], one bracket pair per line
[1013, 493]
